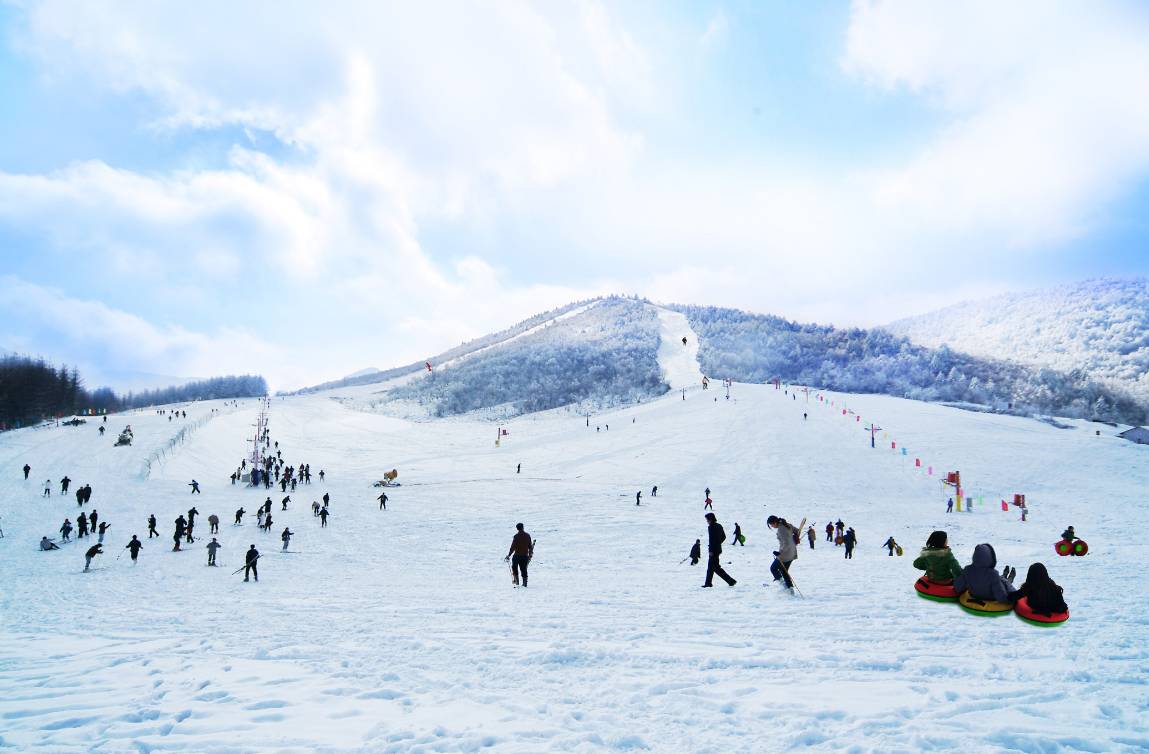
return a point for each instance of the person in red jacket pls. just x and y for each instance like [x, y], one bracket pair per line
[520, 553]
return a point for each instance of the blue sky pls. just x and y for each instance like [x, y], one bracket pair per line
[189, 189]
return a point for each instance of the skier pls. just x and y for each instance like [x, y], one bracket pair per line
[654, 491]
[787, 551]
[284, 502]
[715, 537]
[950, 506]
[81, 526]
[212, 546]
[890, 544]
[737, 539]
[47, 488]
[810, 536]
[64, 485]
[213, 524]
[249, 564]
[829, 532]
[323, 514]
[696, 552]
[239, 517]
[103, 528]
[195, 487]
[520, 553]
[850, 540]
[152, 526]
[638, 498]
[286, 537]
[47, 544]
[135, 546]
[92, 552]
[27, 469]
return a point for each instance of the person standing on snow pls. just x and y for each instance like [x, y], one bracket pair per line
[249, 564]
[950, 506]
[81, 526]
[638, 498]
[850, 540]
[92, 519]
[47, 488]
[787, 551]
[286, 537]
[64, 485]
[27, 469]
[737, 538]
[135, 546]
[696, 552]
[716, 535]
[66, 530]
[103, 528]
[323, 514]
[92, 552]
[152, 526]
[195, 487]
[382, 501]
[212, 546]
[213, 524]
[284, 502]
[708, 504]
[890, 544]
[239, 517]
[181, 527]
[810, 536]
[520, 553]
[654, 491]
[829, 532]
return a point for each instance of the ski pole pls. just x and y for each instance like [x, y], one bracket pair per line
[684, 560]
[792, 583]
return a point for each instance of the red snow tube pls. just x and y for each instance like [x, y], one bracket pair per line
[1064, 547]
[977, 606]
[1023, 611]
[1080, 547]
[932, 590]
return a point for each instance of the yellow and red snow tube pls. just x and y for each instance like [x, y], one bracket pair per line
[989, 608]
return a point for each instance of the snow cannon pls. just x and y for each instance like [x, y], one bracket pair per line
[984, 608]
[936, 591]
[1022, 610]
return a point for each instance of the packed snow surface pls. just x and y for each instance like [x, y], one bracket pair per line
[678, 360]
[399, 630]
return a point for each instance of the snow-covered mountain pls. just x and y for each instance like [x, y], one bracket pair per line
[1100, 326]
[614, 351]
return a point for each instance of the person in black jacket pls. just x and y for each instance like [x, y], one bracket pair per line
[696, 552]
[716, 536]
[135, 546]
[520, 553]
[249, 564]
[737, 538]
[92, 552]
[152, 526]
[1043, 595]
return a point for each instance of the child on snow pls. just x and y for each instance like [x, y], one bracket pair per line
[1044, 596]
[982, 579]
[937, 560]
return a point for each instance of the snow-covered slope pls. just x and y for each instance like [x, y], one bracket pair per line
[678, 360]
[1099, 326]
[399, 631]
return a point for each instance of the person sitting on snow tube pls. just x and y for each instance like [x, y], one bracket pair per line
[1068, 535]
[937, 560]
[1042, 595]
[982, 580]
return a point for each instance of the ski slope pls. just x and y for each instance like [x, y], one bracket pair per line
[399, 630]
[679, 361]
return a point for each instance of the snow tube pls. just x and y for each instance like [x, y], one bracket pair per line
[1080, 547]
[988, 608]
[1063, 548]
[932, 590]
[1024, 612]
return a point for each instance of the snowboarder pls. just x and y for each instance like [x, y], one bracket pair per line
[890, 544]
[810, 536]
[737, 538]
[212, 547]
[92, 552]
[27, 469]
[64, 485]
[323, 514]
[850, 540]
[102, 530]
[195, 487]
[239, 517]
[787, 551]
[715, 537]
[696, 552]
[520, 553]
[286, 537]
[638, 498]
[249, 564]
[213, 524]
[135, 546]
[829, 532]
[152, 526]
[47, 544]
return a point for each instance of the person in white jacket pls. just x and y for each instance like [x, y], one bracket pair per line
[787, 551]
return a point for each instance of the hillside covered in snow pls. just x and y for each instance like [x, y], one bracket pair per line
[1100, 327]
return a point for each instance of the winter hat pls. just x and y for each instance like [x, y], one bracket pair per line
[709, 516]
[937, 539]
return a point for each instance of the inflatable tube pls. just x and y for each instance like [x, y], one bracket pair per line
[1063, 548]
[1022, 610]
[1080, 547]
[988, 608]
[931, 590]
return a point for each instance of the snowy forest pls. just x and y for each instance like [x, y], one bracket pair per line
[756, 348]
[32, 390]
[607, 355]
